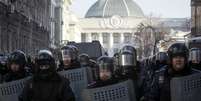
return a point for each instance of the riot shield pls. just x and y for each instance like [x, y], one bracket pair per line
[11, 90]
[123, 91]
[79, 79]
[186, 88]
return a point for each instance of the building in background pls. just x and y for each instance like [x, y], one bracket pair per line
[176, 30]
[24, 25]
[71, 29]
[170, 38]
[194, 38]
[196, 18]
[113, 23]
[126, 25]
[56, 9]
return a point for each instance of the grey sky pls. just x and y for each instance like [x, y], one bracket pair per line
[161, 8]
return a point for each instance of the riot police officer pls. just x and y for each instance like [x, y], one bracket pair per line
[156, 62]
[178, 66]
[136, 64]
[106, 76]
[84, 60]
[129, 68]
[68, 58]
[128, 65]
[16, 66]
[46, 84]
[195, 58]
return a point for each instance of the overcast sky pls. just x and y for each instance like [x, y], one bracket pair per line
[160, 8]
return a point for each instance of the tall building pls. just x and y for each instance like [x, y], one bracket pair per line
[56, 9]
[24, 25]
[196, 18]
[194, 38]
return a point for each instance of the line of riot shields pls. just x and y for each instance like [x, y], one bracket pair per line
[167, 76]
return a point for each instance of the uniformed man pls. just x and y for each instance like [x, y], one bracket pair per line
[106, 76]
[178, 66]
[68, 58]
[130, 68]
[46, 84]
[16, 66]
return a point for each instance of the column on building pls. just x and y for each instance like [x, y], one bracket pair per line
[89, 38]
[111, 44]
[100, 38]
[106, 41]
[121, 38]
[116, 42]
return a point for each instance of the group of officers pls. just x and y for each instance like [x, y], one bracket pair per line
[151, 76]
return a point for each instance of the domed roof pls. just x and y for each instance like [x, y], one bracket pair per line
[108, 8]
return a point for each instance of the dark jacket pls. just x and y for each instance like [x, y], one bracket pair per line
[11, 76]
[195, 66]
[160, 88]
[3, 69]
[55, 88]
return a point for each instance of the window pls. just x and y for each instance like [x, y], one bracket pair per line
[127, 37]
[94, 36]
[105, 37]
[83, 37]
[116, 37]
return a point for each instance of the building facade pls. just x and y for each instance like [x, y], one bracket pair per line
[56, 16]
[196, 18]
[113, 27]
[115, 23]
[24, 25]
[194, 38]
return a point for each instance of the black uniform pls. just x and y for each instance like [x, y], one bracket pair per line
[12, 76]
[55, 88]
[160, 87]
[47, 84]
